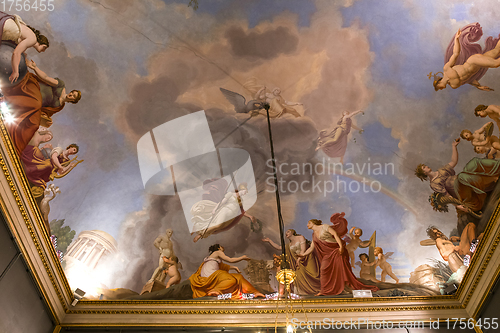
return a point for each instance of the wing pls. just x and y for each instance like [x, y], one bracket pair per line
[252, 86]
[358, 263]
[346, 238]
[388, 255]
[236, 99]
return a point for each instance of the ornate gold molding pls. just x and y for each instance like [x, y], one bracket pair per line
[30, 227]
[269, 311]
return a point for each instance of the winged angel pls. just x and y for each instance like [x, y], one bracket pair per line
[261, 95]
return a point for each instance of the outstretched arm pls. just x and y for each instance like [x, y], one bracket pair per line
[456, 52]
[16, 55]
[273, 244]
[356, 127]
[354, 113]
[292, 103]
[428, 242]
[231, 260]
[454, 154]
[41, 74]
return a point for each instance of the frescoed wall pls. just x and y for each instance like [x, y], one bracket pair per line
[386, 174]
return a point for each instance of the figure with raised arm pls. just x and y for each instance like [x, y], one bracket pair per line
[213, 278]
[33, 102]
[335, 271]
[470, 187]
[355, 242]
[12, 28]
[334, 142]
[306, 268]
[465, 62]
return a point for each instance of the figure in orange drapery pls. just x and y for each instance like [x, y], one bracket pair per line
[33, 102]
[213, 278]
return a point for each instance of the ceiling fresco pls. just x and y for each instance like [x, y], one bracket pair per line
[367, 129]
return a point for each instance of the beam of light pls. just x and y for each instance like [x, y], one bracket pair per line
[9, 118]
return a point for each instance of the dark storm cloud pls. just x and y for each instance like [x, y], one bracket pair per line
[266, 45]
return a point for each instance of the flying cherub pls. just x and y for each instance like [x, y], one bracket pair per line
[482, 137]
[465, 60]
[383, 264]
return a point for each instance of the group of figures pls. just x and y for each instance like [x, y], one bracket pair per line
[465, 62]
[31, 99]
[332, 142]
[322, 267]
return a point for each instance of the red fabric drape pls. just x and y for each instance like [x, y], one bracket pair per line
[25, 103]
[335, 270]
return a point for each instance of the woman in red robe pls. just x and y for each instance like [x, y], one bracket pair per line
[335, 270]
[32, 102]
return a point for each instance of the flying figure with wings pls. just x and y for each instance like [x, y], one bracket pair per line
[240, 104]
[278, 106]
[465, 61]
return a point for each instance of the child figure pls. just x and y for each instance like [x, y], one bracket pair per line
[365, 273]
[383, 264]
[355, 243]
[172, 270]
